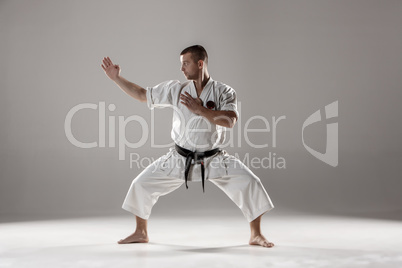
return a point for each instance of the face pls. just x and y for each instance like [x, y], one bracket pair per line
[190, 68]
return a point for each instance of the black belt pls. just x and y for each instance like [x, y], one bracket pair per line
[198, 159]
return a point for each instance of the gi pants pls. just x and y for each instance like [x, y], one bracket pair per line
[166, 174]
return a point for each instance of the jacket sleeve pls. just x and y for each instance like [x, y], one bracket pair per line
[228, 101]
[160, 96]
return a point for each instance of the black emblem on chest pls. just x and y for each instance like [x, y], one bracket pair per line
[210, 105]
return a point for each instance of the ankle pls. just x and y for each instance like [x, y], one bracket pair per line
[255, 233]
[141, 231]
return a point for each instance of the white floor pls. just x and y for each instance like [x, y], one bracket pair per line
[207, 241]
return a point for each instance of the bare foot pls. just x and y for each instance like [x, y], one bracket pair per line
[260, 240]
[136, 237]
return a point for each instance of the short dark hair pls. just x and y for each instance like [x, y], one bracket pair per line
[197, 53]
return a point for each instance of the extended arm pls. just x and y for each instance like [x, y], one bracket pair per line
[113, 72]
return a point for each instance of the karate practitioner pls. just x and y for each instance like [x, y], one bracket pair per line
[201, 104]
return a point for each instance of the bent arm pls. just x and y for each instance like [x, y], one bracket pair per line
[133, 90]
[223, 118]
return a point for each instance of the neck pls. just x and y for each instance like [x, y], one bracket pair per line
[200, 82]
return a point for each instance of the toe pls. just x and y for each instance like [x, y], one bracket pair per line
[267, 244]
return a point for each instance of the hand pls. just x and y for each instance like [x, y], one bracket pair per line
[112, 71]
[193, 104]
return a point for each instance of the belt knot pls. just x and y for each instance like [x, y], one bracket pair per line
[195, 158]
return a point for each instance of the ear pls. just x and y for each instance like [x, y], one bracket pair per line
[200, 64]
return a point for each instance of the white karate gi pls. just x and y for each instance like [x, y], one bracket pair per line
[196, 133]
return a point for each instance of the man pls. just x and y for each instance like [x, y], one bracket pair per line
[198, 104]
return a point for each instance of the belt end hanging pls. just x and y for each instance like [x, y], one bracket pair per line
[202, 175]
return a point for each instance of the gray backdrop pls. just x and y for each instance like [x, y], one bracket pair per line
[283, 58]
